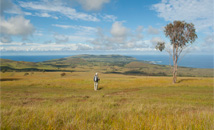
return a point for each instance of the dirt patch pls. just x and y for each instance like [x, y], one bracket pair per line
[122, 101]
[126, 91]
[27, 101]
[37, 99]
[80, 98]
[30, 101]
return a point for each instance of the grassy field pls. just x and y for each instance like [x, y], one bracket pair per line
[46, 100]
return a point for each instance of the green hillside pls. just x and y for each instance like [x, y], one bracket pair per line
[10, 65]
[103, 63]
[106, 58]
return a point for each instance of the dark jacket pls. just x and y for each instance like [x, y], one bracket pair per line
[96, 78]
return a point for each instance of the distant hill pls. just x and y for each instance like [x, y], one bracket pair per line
[105, 58]
[102, 63]
[10, 65]
[17, 64]
[94, 58]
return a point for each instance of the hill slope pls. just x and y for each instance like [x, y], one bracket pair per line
[103, 63]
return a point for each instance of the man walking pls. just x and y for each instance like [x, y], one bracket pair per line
[96, 80]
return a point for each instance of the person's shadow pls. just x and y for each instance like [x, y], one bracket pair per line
[100, 88]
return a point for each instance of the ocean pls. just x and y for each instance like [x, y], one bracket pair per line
[194, 61]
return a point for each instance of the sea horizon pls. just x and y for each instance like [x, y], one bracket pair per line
[193, 61]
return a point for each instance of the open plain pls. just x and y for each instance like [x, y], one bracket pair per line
[47, 100]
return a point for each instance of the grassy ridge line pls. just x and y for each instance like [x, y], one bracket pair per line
[49, 101]
[104, 63]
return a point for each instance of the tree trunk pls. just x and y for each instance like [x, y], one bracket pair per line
[175, 73]
[173, 57]
[175, 63]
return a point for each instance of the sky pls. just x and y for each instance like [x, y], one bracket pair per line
[69, 27]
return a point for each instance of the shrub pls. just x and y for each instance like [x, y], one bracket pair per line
[26, 74]
[4, 70]
[63, 74]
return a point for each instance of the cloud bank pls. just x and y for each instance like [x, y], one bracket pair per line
[120, 38]
[15, 25]
[199, 12]
[58, 7]
[90, 5]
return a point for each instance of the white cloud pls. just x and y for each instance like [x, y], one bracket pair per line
[8, 6]
[83, 31]
[43, 14]
[79, 38]
[27, 13]
[11, 44]
[208, 45]
[16, 26]
[92, 4]
[139, 31]
[121, 38]
[44, 47]
[58, 7]
[47, 8]
[60, 38]
[77, 27]
[152, 30]
[109, 18]
[119, 34]
[209, 40]
[155, 40]
[199, 12]
[118, 30]
[82, 46]
[38, 33]
[5, 4]
[6, 39]
[46, 15]
[63, 26]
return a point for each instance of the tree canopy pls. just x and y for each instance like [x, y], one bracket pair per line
[180, 33]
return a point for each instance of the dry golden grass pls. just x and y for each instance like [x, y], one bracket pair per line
[50, 101]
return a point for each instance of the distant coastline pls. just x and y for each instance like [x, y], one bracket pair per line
[193, 61]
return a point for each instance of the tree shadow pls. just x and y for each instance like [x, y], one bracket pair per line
[9, 79]
[183, 80]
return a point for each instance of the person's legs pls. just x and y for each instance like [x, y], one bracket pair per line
[95, 86]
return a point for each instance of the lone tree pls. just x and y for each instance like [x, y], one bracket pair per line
[160, 46]
[180, 34]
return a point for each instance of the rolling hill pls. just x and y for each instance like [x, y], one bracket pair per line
[103, 63]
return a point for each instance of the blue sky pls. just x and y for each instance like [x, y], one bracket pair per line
[70, 27]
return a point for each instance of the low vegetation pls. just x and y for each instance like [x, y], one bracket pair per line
[47, 101]
[129, 98]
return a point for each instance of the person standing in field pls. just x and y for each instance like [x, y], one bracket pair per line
[96, 80]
